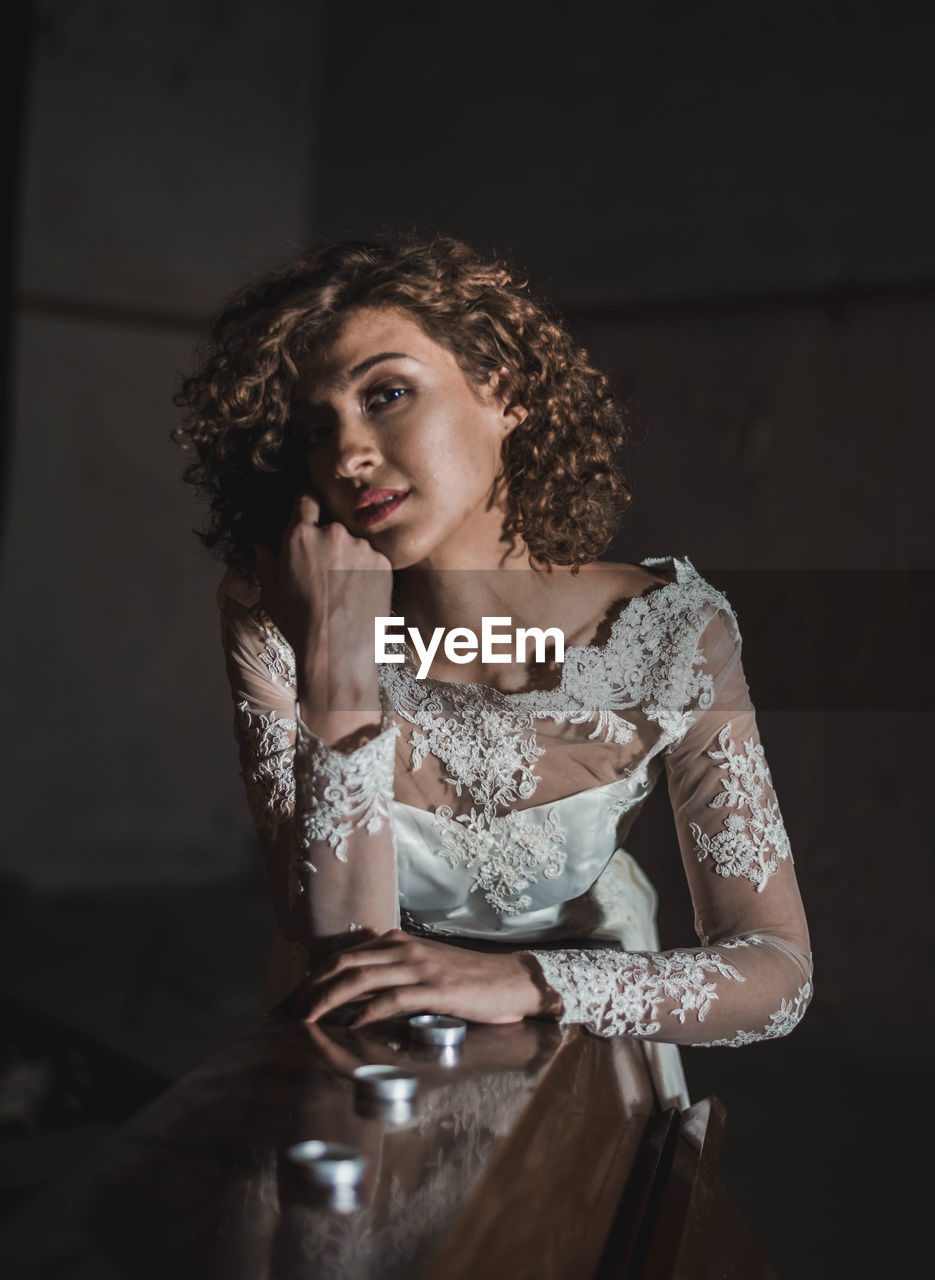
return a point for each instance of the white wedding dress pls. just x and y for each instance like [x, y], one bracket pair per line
[495, 817]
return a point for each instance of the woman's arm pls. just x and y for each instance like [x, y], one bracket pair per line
[751, 978]
[323, 813]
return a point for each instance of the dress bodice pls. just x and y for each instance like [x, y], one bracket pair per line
[525, 877]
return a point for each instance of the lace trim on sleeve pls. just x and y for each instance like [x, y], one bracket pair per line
[788, 1015]
[269, 778]
[619, 992]
[277, 655]
[750, 845]
[336, 793]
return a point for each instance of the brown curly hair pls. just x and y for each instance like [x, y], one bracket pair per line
[565, 489]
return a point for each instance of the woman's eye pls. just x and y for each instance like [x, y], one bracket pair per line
[385, 396]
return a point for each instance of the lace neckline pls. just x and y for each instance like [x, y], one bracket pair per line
[575, 655]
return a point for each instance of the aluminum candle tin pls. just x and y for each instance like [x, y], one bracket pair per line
[436, 1029]
[392, 1115]
[389, 1084]
[329, 1164]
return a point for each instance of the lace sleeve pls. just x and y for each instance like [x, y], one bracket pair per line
[324, 817]
[751, 978]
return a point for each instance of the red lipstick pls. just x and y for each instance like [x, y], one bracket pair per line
[373, 506]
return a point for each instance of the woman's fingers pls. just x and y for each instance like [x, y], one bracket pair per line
[373, 952]
[307, 509]
[342, 974]
[358, 982]
[384, 948]
[415, 998]
[306, 512]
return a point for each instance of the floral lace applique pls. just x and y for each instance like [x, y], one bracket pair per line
[278, 656]
[485, 745]
[787, 1016]
[486, 739]
[619, 992]
[753, 845]
[270, 782]
[652, 659]
[505, 853]
[336, 792]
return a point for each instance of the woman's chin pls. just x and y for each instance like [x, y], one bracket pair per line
[402, 552]
[400, 558]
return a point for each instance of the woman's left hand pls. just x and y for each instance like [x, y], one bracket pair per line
[397, 973]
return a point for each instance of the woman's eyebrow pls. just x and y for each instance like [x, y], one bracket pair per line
[364, 365]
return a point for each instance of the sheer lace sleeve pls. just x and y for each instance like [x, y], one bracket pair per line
[324, 817]
[751, 977]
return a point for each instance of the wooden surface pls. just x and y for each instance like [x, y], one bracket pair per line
[545, 1203]
[529, 1154]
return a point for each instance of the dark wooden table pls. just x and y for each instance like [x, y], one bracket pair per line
[528, 1153]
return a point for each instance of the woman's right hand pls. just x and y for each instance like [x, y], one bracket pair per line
[511, 1046]
[324, 592]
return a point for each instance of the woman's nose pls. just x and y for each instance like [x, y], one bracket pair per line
[357, 450]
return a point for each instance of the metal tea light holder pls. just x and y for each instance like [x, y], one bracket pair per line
[384, 1093]
[437, 1038]
[333, 1169]
[437, 1030]
[385, 1084]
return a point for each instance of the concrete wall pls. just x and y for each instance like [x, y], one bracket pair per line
[652, 149]
[168, 155]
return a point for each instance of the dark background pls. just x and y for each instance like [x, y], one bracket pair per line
[734, 202]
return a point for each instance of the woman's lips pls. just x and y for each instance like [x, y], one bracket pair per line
[374, 513]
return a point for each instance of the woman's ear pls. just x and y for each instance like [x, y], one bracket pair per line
[503, 384]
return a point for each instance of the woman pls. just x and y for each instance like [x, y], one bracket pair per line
[397, 432]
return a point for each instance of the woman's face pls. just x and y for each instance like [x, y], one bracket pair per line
[402, 449]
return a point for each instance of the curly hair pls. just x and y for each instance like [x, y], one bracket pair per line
[565, 491]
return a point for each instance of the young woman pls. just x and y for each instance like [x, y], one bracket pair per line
[398, 431]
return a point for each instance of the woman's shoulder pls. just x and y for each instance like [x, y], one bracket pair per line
[664, 594]
[637, 578]
[242, 615]
[633, 579]
[624, 583]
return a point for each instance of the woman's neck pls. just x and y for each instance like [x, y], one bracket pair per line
[461, 591]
